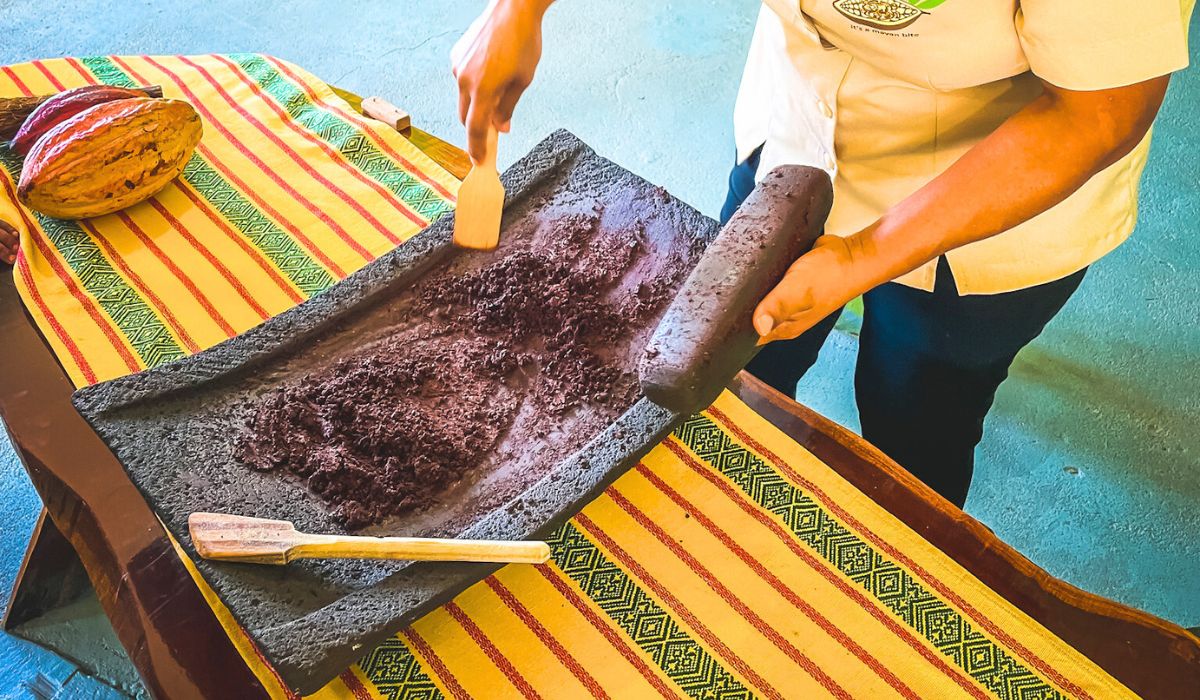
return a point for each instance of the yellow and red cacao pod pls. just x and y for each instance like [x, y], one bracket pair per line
[62, 107]
[109, 157]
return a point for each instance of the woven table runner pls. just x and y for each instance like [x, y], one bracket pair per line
[289, 191]
[730, 563]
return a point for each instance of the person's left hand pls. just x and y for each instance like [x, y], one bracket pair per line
[820, 282]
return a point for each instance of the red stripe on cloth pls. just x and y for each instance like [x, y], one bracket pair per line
[937, 585]
[800, 658]
[74, 63]
[292, 229]
[12, 75]
[619, 643]
[186, 281]
[258, 201]
[49, 76]
[665, 595]
[355, 686]
[369, 127]
[187, 235]
[22, 267]
[85, 300]
[775, 582]
[210, 258]
[89, 304]
[788, 539]
[142, 287]
[514, 676]
[72, 349]
[560, 652]
[299, 160]
[250, 155]
[398, 204]
[435, 662]
[253, 253]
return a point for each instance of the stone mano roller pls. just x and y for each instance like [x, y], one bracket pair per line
[707, 334]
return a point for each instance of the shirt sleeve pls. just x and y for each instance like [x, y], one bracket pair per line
[1099, 44]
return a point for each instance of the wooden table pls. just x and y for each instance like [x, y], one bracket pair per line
[96, 528]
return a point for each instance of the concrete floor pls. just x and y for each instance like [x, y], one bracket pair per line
[1089, 464]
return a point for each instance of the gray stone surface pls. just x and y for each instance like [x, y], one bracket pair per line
[174, 428]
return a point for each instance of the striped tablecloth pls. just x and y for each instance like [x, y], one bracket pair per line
[730, 563]
[289, 191]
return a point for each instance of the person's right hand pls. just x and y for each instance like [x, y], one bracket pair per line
[494, 62]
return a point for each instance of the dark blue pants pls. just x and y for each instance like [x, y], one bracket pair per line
[928, 365]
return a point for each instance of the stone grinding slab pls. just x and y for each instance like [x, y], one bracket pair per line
[177, 428]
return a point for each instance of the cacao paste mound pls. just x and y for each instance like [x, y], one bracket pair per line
[381, 433]
[546, 326]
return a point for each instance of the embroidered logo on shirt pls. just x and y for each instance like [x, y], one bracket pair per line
[888, 15]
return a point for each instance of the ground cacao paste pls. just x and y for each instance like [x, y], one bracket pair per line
[546, 325]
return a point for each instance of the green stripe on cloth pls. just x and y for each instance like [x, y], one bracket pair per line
[144, 330]
[670, 647]
[107, 72]
[262, 232]
[397, 674]
[343, 136]
[273, 242]
[980, 657]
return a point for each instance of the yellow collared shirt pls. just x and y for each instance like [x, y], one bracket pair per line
[885, 94]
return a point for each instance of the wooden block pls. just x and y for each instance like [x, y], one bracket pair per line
[380, 109]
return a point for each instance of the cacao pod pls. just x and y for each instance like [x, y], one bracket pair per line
[109, 157]
[62, 107]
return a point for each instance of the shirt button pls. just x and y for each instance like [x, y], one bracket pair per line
[826, 111]
[830, 163]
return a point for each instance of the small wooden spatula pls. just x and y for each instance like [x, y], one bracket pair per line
[260, 541]
[480, 202]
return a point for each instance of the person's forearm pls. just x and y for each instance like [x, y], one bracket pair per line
[1034, 160]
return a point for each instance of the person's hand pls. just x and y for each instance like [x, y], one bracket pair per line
[494, 62]
[10, 239]
[820, 282]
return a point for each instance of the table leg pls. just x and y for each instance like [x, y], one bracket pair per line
[50, 576]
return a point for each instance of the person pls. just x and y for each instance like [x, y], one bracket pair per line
[10, 241]
[983, 155]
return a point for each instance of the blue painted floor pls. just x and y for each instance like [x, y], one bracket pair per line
[1090, 461]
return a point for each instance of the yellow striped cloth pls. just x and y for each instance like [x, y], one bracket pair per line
[289, 191]
[730, 563]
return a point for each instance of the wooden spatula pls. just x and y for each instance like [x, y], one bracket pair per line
[480, 201]
[260, 541]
